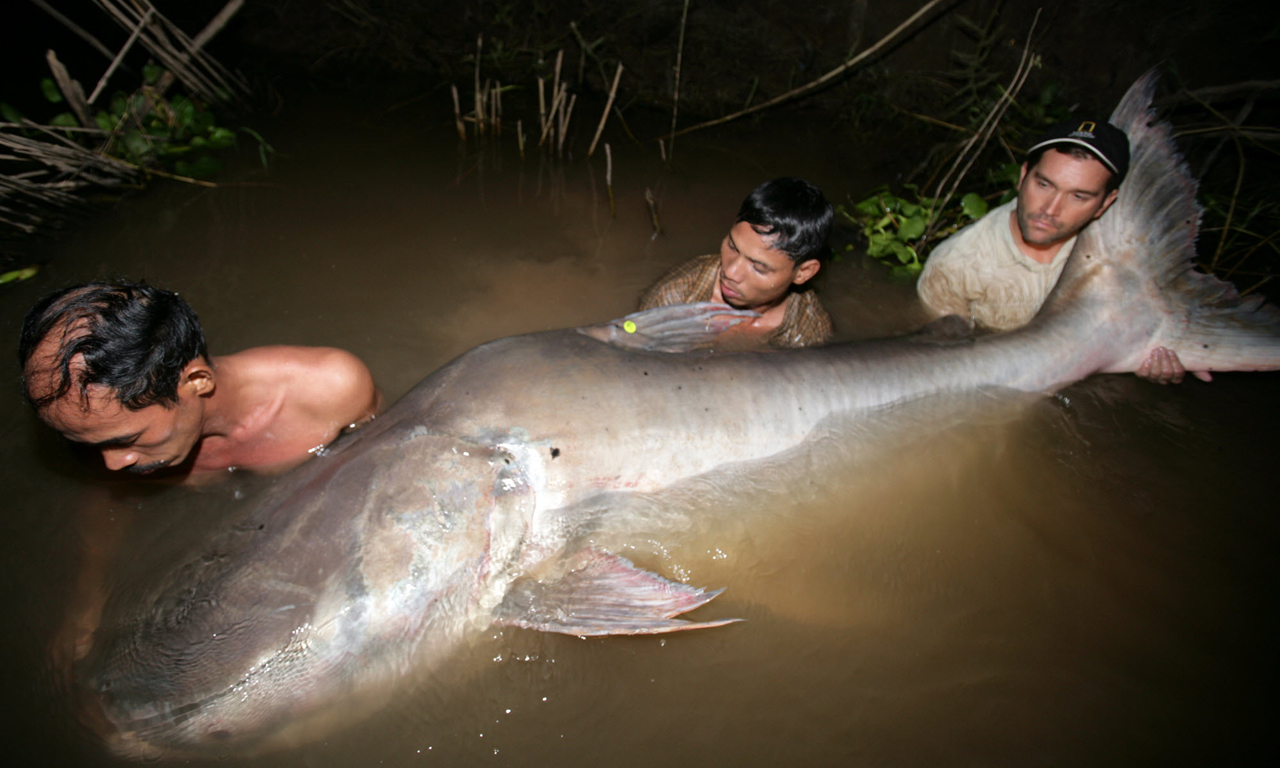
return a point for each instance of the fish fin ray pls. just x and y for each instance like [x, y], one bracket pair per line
[604, 595]
[1152, 229]
[674, 328]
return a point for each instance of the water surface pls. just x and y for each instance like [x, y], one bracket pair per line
[1086, 579]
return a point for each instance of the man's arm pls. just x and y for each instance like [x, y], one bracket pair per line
[941, 287]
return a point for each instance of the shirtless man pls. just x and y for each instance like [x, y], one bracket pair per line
[774, 248]
[997, 272]
[124, 369]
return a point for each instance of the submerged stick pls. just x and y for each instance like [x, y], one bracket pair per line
[520, 137]
[653, 213]
[608, 178]
[542, 108]
[551, 119]
[457, 114]
[608, 104]
[564, 124]
[884, 41]
[478, 97]
[497, 107]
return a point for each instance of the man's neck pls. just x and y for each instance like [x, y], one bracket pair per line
[1041, 254]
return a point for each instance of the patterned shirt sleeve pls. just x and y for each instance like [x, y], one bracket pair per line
[805, 324]
[691, 282]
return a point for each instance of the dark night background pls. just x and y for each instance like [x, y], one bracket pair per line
[1091, 50]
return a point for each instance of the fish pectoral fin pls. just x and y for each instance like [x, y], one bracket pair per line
[674, 328]
[605, 595]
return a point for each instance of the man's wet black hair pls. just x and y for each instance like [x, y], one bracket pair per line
[134, 339]
[795, 213]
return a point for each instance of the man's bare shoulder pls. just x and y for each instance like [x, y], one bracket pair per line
[324, 383]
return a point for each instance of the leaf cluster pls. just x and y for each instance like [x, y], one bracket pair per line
[895, 227]
[177, 134]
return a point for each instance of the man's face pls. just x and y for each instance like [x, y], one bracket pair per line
[1060, 195]
[139, 441]
[754, 275]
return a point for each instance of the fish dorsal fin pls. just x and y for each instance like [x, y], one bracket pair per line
[603, 594]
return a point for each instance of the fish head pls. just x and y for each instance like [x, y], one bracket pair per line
[359, 574]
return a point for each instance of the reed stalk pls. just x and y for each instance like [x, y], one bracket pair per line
[542, 108]
[564, 123]
[457, 114]
[479, 99]
[608, 105]
[608, 178]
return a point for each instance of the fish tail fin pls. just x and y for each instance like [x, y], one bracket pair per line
[1152, 229]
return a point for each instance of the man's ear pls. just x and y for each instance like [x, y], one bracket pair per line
[1022, 175]
[1106, 203]
[198, 375]
[806, 271]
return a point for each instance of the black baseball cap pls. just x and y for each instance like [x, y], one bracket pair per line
[1107, 142]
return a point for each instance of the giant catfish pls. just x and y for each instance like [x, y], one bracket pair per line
[470, 503]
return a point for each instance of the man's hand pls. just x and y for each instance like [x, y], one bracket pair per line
[1162, 366]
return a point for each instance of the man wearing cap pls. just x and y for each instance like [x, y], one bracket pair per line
[997, 272]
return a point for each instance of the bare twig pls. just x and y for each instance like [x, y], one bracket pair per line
[608, 177]
[102, 81]
[70, 88]
[885, 41]
[675, 94]
[71, 25]
[457, 114]
[478, 98]
[564, 122]
[982, 136]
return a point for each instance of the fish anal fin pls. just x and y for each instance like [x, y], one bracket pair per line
[604, 595]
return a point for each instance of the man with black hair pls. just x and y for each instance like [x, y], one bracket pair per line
[774, 249]
[997, 272]
[123, 368]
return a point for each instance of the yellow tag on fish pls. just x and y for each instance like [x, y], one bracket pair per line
[629, 327]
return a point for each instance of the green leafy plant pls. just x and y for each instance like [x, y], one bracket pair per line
[895, 227]
[177, 134]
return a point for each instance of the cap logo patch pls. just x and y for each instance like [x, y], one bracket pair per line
[1086, 129]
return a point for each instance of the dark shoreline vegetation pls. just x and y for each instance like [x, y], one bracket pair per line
[956, 88]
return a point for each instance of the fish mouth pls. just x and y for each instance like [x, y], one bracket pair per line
[158, 730]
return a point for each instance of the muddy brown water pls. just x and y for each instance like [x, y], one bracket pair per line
[1083, 579]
